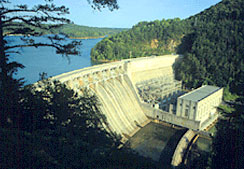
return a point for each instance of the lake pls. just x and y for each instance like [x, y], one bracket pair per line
[45, 59]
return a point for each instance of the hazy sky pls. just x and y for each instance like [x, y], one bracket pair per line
[131, 11]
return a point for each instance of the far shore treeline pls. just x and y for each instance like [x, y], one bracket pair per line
[74, 31]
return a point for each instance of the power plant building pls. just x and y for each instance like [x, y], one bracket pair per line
[194, 110]
[200, 104]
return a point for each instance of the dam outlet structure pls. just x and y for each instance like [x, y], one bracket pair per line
[115, 86]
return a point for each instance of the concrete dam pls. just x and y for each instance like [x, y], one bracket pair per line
[115, 86]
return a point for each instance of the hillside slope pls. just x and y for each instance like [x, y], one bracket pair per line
[214, 52]
[73, 30]
[212, 43]
[144, 39]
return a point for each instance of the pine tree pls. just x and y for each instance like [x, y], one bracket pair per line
[31, 22]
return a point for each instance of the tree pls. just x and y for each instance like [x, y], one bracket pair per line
[30, 19]
[98, 4]
[31, 22]
[228, 143]
[57, 124]
[60, 129]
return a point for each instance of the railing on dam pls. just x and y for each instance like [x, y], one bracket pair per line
[131, 67]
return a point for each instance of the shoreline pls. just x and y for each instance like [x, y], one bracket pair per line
[87, 37]
[97, 62]
[70, 37]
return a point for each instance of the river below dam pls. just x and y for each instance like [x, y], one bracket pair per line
[45, 59]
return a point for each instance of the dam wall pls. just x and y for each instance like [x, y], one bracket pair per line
[114, 85]
[146, 68]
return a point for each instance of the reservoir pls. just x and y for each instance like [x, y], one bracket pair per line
[45, 59]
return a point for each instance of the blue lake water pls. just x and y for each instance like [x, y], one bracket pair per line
[45, 59]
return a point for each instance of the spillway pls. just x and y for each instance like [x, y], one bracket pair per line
[120, 105]
[114, 85]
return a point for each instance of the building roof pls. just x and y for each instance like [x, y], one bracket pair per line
[200, 93]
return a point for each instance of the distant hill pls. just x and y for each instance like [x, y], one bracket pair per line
[73, 30]
[78, 31]
[212, 43]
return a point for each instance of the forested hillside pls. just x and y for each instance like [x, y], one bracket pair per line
[73, 30]
[214, 52]
[144, 39]
[211, 42]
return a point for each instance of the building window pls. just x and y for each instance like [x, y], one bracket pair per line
[186, 112]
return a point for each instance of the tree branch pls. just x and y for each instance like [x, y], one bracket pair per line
[16, 10]
[68, 49]
[36, 45]
[17, 52]
[37, 21]
[98, 4]
[45, 9]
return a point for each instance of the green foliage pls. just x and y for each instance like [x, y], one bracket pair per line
[213, 51]
[228, 96]
[228, 143]
[37, 19]
[73, 30]
[144, 39]
[228, 147]
[226, 108]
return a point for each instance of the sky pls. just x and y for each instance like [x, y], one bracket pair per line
[130, 12]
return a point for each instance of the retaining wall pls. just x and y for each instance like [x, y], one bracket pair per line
[169, 117]
[182, 147]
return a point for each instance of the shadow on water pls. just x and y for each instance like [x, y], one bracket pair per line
[168, 151]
